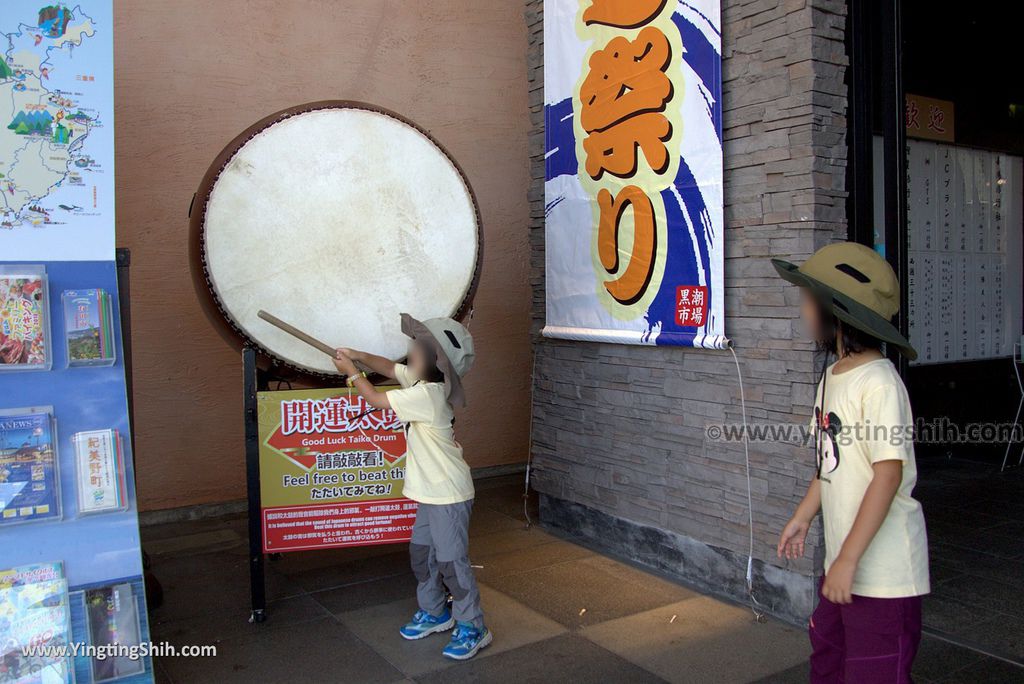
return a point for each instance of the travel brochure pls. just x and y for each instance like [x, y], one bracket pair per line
[113, 617]
[29, 472]
[101, 473]
[34, 612]
[88, 327]
[63, 468]
[24, 326]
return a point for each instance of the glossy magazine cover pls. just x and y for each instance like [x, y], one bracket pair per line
[34, 612]
[29, 478]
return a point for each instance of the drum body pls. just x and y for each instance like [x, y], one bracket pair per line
[336, 217]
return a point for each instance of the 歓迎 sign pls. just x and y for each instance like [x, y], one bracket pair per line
[331, 472]
[928, 118]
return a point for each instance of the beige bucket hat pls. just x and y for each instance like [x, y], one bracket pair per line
[857, 285]
[453, 345]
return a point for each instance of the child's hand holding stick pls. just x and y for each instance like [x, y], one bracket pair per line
[376, 364]
[344, 361]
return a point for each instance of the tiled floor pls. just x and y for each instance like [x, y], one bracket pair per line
[559, 612]
[975, 517]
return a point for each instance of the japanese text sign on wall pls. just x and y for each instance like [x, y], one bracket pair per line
[929, 118]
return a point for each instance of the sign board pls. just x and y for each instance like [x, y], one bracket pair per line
[929, 118]
[964, 262]
[634, 231]
[331, 472]
[76, 536]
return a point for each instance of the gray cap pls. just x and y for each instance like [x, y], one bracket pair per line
[453, 345]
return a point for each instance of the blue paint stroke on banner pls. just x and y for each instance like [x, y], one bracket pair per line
[706, 63]
[682, 267]
[560, 155]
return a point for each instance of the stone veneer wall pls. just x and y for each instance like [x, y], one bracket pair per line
[620, 453]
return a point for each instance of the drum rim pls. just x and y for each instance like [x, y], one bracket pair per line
[210, 301]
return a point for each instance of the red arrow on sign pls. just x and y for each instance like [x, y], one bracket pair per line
[291, 448]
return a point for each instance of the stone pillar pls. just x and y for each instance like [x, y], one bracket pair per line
[621, 454]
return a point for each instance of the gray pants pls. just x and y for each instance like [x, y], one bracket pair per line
[439, 551]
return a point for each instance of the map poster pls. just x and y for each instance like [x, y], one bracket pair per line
[331, 472]
[56, 131]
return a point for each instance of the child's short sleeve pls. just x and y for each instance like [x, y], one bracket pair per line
[888, 425]
[413, 404]
[403, 375]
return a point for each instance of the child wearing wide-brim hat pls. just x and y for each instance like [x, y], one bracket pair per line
[436, 475]
[867, 626]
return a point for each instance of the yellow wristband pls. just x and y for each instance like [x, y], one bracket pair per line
[351, 380]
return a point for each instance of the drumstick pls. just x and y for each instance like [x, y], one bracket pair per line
[292, 330]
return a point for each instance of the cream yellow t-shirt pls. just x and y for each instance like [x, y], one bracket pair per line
[867, 419]
[435, 472]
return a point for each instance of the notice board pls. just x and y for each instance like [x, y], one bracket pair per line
[964, 226]
[331, 472]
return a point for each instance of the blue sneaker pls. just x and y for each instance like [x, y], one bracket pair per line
[466, 641]
[424, 624]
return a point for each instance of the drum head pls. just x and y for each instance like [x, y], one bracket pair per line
[336, 217]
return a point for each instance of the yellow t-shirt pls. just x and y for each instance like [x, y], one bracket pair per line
[435, 472]
[867, 419]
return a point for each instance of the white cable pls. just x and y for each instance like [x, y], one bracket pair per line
[529, 445]
[1016, 418]
[754, 604]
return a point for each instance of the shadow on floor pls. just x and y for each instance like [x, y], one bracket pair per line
[975, 518]
[559, 612]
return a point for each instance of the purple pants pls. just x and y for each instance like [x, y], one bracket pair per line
[869, 641]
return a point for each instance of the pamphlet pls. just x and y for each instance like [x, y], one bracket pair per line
[34, 612]
[113, 619]
[29, 471]
[24, 328]
[88, 327]
[100, 469]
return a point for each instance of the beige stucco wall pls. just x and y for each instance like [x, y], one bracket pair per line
[192, 74]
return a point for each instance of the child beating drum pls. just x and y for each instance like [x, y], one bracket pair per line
[436, 476]
[867, 625]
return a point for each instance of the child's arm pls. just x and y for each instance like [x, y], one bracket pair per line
[378, 364]
[371, 394]
[872, 512]
[791, 541]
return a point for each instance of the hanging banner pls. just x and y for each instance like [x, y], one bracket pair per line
[633, 186]
[331, 472]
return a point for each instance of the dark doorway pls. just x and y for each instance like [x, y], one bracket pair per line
[965, 390]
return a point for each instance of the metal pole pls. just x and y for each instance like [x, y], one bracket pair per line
[894, 158]
[123, 259]
[860, 198]
[257, 580]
